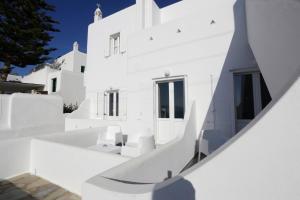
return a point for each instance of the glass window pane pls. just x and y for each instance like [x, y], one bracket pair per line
[179, 99]
[265, 95]
[54, 81]
[111, 104]
[163, 102]
[117, 103]
[244, 103]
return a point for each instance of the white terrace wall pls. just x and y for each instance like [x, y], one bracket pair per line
[28, 111]
[22, 117]
[66, 161]
[15, 157]
[4, 110]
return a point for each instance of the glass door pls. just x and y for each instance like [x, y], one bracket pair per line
[251, 95]
[170, 101]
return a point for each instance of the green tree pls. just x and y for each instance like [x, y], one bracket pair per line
[25, 32]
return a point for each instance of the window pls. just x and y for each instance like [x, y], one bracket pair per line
[54, 82]
[163, 103]
[115, 44]
[244, 102]
[179, 99]
[112, 103]
[171, 99]
[82, 69]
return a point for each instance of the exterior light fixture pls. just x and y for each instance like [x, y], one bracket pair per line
[151, 38]
[212, 22]
[178, 30]
[167, 73]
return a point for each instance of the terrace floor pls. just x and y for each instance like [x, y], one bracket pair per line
[29, 187]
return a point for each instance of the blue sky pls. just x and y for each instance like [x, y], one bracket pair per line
[74, 17]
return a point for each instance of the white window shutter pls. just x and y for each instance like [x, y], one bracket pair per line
[123, 105]
[107, 47]
[99, 105]
[123, 42]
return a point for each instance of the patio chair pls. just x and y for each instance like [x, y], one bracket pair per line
[112, 136]
[138, 144]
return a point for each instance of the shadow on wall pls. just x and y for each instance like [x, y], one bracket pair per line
[220, 115]
[8, 190]
[178, 190]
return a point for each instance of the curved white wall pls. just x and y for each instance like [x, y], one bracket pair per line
[273, 31]
[261, 162]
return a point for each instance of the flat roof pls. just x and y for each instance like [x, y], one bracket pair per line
[11, 86]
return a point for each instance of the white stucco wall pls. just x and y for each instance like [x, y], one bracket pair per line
[202, 52]
[258, 163]
[15, 157]
[4, 111]
[27, 111]
[38, 77]
[278, 53]
[70, 86]
[11, 77]
[66, 161]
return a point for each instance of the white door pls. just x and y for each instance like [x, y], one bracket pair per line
[170, 109]
[251, 96]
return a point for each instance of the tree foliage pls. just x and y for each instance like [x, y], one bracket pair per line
[25, 27]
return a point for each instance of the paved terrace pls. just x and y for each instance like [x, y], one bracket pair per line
[28, 187]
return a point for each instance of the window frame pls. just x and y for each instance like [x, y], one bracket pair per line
[115, 44]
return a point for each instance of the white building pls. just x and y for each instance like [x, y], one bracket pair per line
[147, 64]
[64, 77]
[195, 74]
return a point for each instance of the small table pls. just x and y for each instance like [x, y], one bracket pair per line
[108, 148]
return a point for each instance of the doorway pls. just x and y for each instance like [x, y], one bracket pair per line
[170, 108]
[251, 95]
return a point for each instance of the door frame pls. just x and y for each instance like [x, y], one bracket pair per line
[256, 87]
[156, 96]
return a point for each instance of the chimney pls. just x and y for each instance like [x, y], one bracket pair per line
[144, 13]
[75, 46]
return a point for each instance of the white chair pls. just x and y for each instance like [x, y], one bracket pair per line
[138, 144]
[112, 136]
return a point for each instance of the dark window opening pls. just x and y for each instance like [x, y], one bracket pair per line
[82, 69]
[179, 100]
[244, 102]
[111, 104]
[163, 103]
[54, 82]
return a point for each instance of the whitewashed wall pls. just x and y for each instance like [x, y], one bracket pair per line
[260, 162]
[28, 110]
[69, 86]
[203, 52]
[66, 161]
[278, 53]
[15, 157]
[4, 111]
[39, 77]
